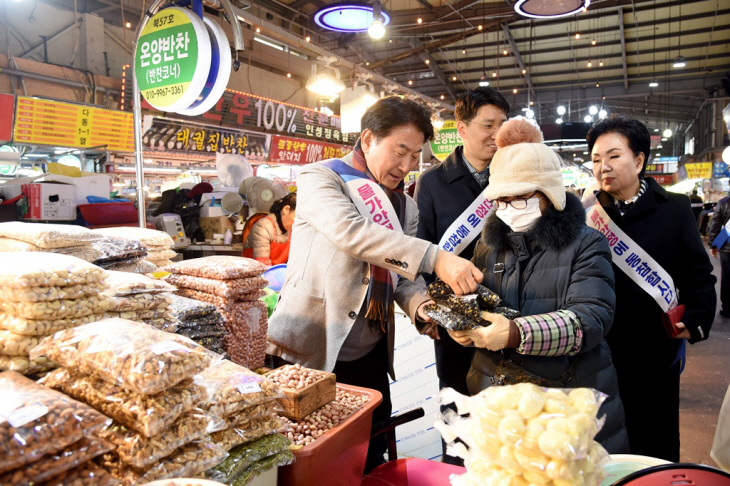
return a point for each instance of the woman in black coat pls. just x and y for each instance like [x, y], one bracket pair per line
[662, 224]
[538, 254]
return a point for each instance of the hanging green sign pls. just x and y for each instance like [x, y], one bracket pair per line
[446, 140]
[172, 59]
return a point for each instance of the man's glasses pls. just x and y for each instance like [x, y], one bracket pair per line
[517, 203]
[487, 128]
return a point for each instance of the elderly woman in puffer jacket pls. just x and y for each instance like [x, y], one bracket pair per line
[538, 254]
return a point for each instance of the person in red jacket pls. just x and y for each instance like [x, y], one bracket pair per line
[268, 239]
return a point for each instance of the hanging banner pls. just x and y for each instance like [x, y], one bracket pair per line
[446, 140]
[248, 111]
[702, 170]
[172, 59]
[7, 102]
[286, 150]
[45, 122]
[168, 135]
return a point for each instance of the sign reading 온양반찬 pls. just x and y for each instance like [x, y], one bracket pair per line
[446, 140]
[172, 59]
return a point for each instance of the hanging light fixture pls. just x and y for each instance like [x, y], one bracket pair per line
[577, 36]
[588, 119]
[494, 74]
[561, 110]
[541, 9]
[349, 17]
[514, 90]
[530, 113]
[600, 64]
[483, 81]
[602, 114]
[590, 64]
[653, 83]
[376, 29]
[505, 52]
[420, 20]
[308, 39]
[453, 78]
[667, 133]
[679, 62]
[593, 42]
[558, 121]
[593, 110]
[324, 83]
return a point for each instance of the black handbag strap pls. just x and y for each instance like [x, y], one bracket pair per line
[498, 269]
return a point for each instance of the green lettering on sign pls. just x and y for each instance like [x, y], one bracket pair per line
[172, 59]
[446, 140]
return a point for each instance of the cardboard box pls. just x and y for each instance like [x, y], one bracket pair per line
[49, 201]
[218, 225]
[89, 184]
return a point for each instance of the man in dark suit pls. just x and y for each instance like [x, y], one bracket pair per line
[443, 194]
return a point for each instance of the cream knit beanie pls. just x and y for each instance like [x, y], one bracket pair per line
[524, 164]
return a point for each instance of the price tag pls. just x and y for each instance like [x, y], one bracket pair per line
[249, 388]
[25, 415]
[167, 346]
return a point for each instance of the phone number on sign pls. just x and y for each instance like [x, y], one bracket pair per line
[151, 94]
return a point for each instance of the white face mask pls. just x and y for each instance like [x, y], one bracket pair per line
[520, 220]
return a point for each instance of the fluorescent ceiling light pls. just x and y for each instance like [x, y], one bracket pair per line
[549, 9]
[344, 17]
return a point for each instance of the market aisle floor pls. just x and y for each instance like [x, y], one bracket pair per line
[703, 386]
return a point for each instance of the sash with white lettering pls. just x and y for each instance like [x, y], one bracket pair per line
[369, 198]
[467, 226]
[633, 260]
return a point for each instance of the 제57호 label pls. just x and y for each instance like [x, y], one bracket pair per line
[172, 59]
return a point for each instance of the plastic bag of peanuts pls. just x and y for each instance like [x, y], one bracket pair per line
[231, 388]
[84, 475]
[56, 463]
[35, 421]
[524, 434]
[39, 269]
[220, 267]
[134, 355]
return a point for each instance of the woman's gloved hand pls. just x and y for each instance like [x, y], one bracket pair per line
[502, 333]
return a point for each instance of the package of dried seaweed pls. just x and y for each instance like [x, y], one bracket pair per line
[486, 299]
[245, 455]
[449, 320]
[281, 459]
[465, 305]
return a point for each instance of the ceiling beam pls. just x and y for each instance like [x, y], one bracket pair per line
[709, 16]
[425, 3]
[53, 37]
[425, 56]
[518, 57]
[314, 50]
[623, 46]
[434, 45]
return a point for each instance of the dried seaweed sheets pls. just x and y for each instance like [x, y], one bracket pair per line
[444, 317]
[486, 299]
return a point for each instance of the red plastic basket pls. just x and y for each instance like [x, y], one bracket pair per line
[676, 475]
[109, 213]
[338, 457]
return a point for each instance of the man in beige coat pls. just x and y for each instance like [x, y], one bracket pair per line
[329, 316]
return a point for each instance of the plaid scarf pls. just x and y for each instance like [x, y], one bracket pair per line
[380, 300]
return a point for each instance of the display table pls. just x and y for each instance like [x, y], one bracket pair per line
[204, 250]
